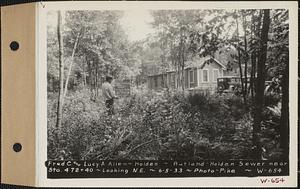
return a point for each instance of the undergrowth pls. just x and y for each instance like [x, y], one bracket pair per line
[152, 126]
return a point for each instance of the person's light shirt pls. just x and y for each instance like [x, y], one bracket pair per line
[108, 91]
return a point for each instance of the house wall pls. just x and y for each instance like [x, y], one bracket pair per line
[166, 80]
[189, 82]
[149, 82]
[186, 78]
[159, 82]
[196, 81]
[211, 84]
[171, 82]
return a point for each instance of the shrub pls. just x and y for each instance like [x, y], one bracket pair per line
[169, 125]
[270, 134]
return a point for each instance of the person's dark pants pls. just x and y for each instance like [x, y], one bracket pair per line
[109, 104]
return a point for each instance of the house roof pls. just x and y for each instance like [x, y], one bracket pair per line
[196, 62]
[200, 62]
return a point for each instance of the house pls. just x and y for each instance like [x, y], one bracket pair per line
[199, 74]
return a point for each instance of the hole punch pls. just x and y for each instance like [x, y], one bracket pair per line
[17, 147]
[14, 45]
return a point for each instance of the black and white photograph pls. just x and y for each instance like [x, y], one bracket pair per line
[175, 85]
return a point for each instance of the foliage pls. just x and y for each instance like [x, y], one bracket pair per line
[173, 37]
[165, 126]
[270, 135]
[103, 48]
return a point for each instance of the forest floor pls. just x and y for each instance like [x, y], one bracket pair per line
[168, 125]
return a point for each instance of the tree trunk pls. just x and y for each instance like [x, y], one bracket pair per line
[246, 61]
[88, 81]
[61, 70]
[284, 122]
[178, 69]
[97, 81]
[182, 49]
[72, 62]
[255, 54]
[83, 73]
[260, 85]
[253, 61]
[182, 76]
[240, 63]
[253, 71]
[178, 75]
[93, 80]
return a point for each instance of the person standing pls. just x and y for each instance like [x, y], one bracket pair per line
[109, 94]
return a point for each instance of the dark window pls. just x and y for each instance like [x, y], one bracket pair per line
[205, 76]
[155, 82]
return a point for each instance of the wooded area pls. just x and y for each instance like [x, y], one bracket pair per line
[85, 46]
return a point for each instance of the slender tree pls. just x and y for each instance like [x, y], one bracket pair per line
[245, 57]
[240, 61]
[284, 122]
[72, 62]
[260, 84]
[61, 69]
